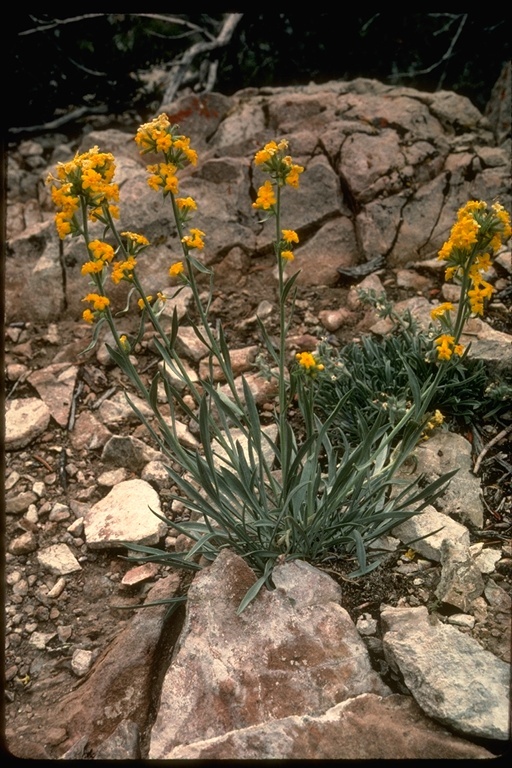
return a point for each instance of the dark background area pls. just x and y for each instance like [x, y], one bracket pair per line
[60, 62]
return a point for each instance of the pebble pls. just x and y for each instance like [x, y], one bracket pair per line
[76, 528]
[41, 639]
[23, 544]
[58, 588]
[11, 480]
[59, 512]
[81, 662]
[462, 620]
[39, 488]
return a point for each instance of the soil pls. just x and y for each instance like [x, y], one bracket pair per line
[89, 611]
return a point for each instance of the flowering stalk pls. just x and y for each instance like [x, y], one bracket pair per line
[474, 238]
[282, 171]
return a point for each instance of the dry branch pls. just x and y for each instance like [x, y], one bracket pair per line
[179, 70]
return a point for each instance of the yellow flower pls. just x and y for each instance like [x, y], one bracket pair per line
[194, 240]
[278, 165]
[100, 250]
[92, 267]
[266, 197]
[141, 303]
[99, 303]
[175, 270]
[182, 144]
[88, 316]
[269, 150]
[62, 224]
[160, 136]
[125, 344]
[135, 238]
[123, 270]
[435, 421]
[292, 178]
[290, 236]
[480, 291]
[437, 312]
[446, 347]
[186, 204]
[163, 177]
[89, 175]
[308, 361]
[287, 255]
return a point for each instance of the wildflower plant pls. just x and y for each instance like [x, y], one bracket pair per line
[375, 375]
[268, 494]
[475, 237]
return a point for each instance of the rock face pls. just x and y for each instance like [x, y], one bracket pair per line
[293, 651]
[387, 169]
[119, 686]
[367, 727]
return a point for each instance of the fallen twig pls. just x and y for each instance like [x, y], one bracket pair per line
[484, 451]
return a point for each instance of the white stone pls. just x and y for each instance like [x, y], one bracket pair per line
[426, 523]
[25, 419]
[59, 559]
[81, 662]
[40, 639]
[125, 515]
[452, 678]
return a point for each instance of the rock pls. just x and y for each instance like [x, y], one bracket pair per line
[367, 727]
[436, 527]
[176, 377]
[14, 505]
[55, 385]
[23, 544]
[123, 744]
[81, 662]
[113, 477]
[450, 676]
[441, 453]
[334, 319]
[189, 345]
[139, 574]
[293, 651]
[156, 474]
[128, 453]
[25, 420]
[125, 515]
[487, 344]
[117, 410]
[242, 360]
[121, 683]
[461, 580]
[89, 433]
[333, 246]
[59, 559]
[221, 456]
[497, 109]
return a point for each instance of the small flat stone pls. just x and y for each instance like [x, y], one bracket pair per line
[25, 420]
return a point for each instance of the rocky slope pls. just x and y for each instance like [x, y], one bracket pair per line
[321, 661]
